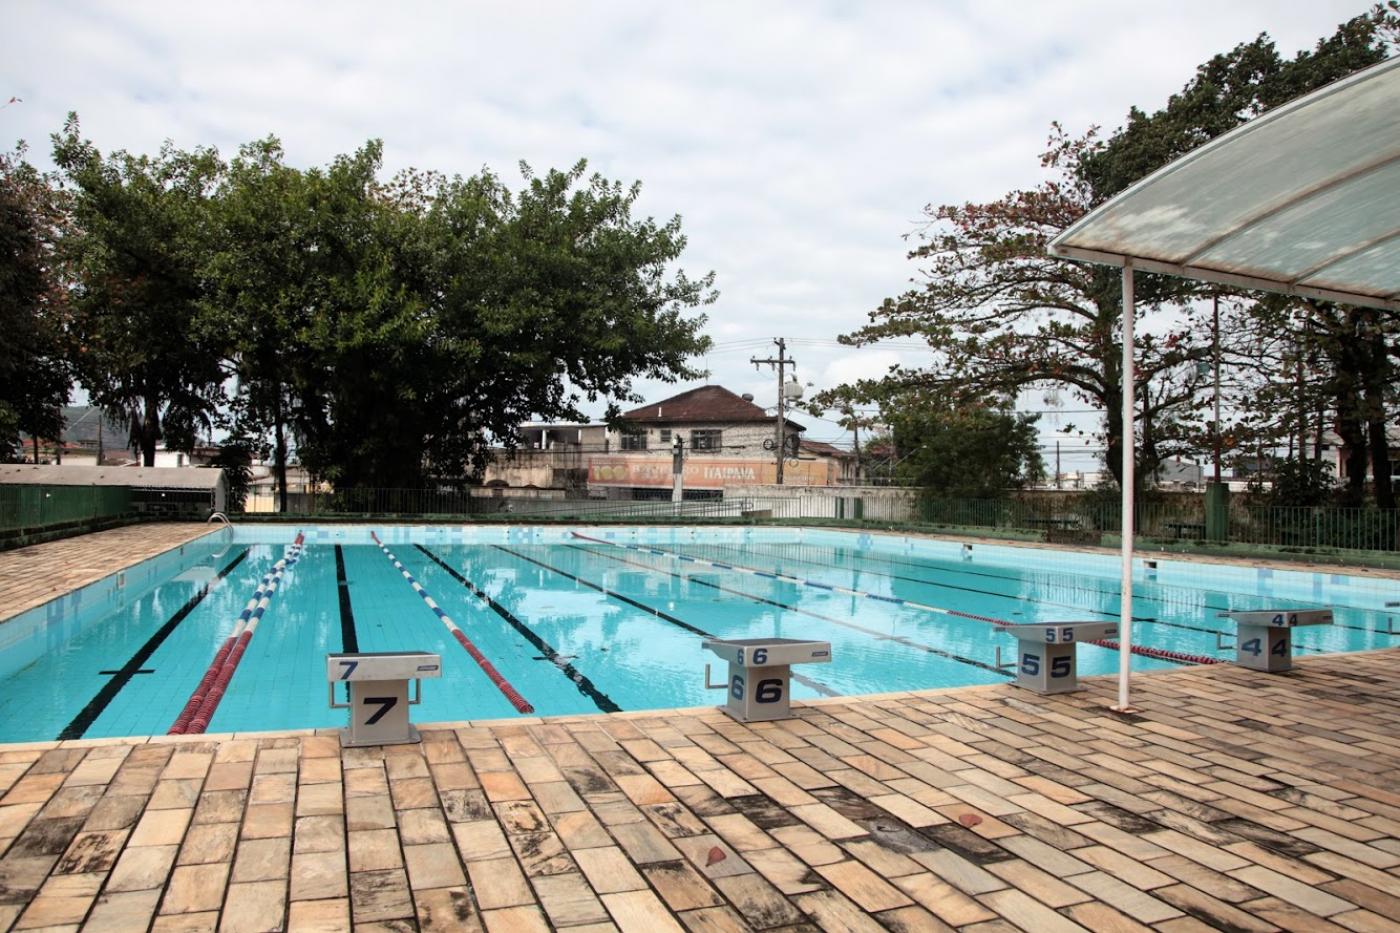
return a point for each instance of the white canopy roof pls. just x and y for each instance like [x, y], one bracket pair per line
[1304, 200]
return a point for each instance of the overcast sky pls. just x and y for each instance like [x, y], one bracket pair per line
[799, 141]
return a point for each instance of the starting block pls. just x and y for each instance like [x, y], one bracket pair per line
[378, 685]
[1264, 640]
[760, 673]
[1046, 659]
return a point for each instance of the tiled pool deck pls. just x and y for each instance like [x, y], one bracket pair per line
[36, 574]
[1234, 800]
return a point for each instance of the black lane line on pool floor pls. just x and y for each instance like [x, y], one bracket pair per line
[996, 576]
[585, 686]
[349, 638]
[1112, 615]
[803, 679]
[898, 639]
[98, 704]
[946, 586]
[1116, 594]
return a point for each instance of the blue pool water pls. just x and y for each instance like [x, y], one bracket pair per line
[582, 626]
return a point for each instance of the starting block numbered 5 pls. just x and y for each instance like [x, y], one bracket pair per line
[378, 685]
[1264, 640]
[1046, 661]
[760, 673]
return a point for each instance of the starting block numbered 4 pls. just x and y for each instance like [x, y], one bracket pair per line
[378, 685]
[1046, 659]
[760, 673]
[1264, 638]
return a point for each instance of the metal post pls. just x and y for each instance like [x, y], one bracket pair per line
[677, 469]
[1215, 330]
[1129, 443]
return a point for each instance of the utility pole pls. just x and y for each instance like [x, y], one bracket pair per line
[860, 457]
[1058, 474]
[779, 365]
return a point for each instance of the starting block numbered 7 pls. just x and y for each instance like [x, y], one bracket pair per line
[1046, 661]
[1264, 638]
[378, 685]
[760, 673]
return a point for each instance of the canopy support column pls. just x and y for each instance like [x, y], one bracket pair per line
[1129, 445]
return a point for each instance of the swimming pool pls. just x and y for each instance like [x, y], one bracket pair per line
[595, 619]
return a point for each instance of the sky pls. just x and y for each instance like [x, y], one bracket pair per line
[798, 141]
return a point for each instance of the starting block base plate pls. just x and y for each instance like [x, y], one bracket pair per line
[413, 738]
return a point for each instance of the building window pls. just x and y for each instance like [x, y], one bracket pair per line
[634, 440]
[665, 434]
[708, 439]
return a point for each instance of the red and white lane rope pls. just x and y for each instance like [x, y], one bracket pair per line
[194, 718]
[511, 694]
[1145, 651]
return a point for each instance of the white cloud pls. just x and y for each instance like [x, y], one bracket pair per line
[799, 140]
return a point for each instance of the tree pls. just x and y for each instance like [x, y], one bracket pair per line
[34, 373]
[965, 450]
[477, 308]
[286, 252]
[134, 257]
[1001, 315]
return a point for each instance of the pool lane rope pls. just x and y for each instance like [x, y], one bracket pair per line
[199, 709]
[519, 702]
[1144, 650]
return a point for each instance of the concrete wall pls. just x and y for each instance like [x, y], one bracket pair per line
[557, 468]
[876, 503]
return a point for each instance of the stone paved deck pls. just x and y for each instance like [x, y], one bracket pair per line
[1235, 800]
[36, 574]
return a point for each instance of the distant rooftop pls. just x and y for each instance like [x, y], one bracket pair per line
[707, 404]
[83, 423]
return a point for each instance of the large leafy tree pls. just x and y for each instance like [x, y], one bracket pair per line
[1001, 315]
[34, 371]
[289, 248]
[398, 328]
[134, 257]
[481, 308]
[965, 450]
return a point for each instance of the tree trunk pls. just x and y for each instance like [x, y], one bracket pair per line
[150, 431]
[1377, 377]
[1350, 424]
[1380, 465]
[279, 455]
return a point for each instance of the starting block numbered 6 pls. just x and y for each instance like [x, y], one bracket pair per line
[760, 673]
[1264, 639]
[378, 685]
[1046, 661]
